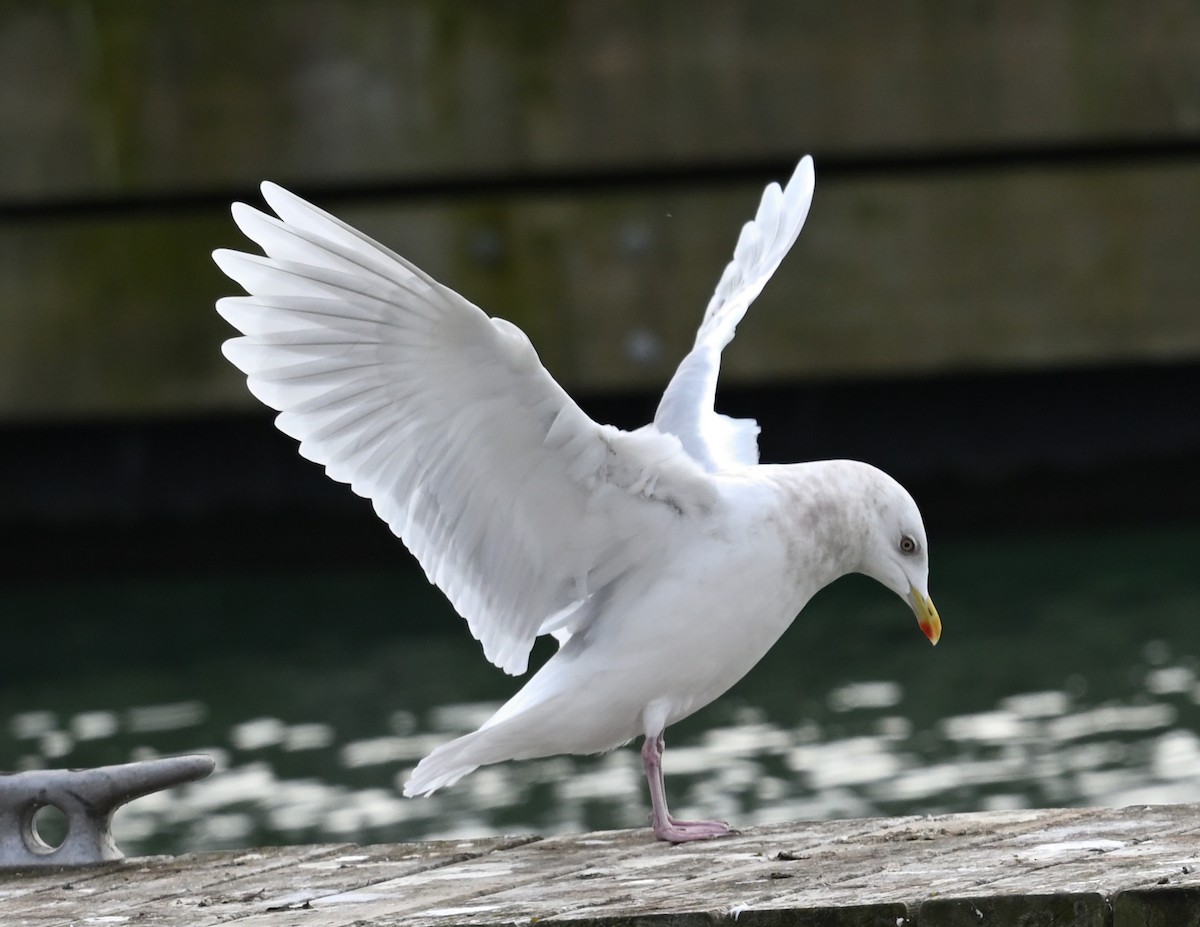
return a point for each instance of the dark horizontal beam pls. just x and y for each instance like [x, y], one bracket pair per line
[584, 180]
[999, 451]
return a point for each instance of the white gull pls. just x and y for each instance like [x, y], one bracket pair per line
[666, 560]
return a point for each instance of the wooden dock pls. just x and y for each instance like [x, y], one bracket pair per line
[1100, 868]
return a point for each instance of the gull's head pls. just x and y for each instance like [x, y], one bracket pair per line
[895, 551]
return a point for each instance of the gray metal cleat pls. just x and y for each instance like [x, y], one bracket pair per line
[88, 798]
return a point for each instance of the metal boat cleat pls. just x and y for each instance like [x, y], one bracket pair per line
[87, 798]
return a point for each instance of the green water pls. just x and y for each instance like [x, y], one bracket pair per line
[1067, 674]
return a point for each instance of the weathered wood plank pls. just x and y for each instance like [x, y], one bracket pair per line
[991, 271]
[56, 896]
[139, 97]
[225, 885]
[1095, 868]
[276, 880]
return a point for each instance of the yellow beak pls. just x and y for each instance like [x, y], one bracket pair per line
[927, 616]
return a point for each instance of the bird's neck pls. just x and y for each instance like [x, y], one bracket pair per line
[825, 504]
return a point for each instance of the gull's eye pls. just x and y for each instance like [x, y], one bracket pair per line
[908, 544]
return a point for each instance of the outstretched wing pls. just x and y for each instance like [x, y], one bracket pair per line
[686, 410]
[516, 504]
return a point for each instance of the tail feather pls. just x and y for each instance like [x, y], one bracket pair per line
[543, 719]
[527, 734]
[444, 766]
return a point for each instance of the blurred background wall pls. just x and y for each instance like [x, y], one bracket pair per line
[997, 295]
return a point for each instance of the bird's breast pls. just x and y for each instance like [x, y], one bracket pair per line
[708, 617]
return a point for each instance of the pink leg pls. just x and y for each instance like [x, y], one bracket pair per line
[665, 826]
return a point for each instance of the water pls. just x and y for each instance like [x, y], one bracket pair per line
[1067, 675]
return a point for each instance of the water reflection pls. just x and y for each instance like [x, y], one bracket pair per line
[316, 750]
[1030, 749]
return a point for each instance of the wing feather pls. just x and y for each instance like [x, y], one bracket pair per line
[515, 503]
[687, 411]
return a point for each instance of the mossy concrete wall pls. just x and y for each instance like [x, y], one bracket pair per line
[110, 313]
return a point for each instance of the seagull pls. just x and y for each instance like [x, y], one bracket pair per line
[666, 561]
